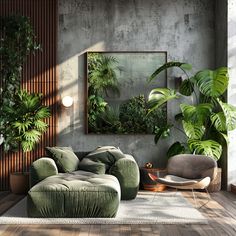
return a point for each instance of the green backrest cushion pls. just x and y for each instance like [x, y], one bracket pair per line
[107, 155]
[92, 166]
[64, 157]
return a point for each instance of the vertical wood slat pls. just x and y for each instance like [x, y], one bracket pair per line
[39, 76]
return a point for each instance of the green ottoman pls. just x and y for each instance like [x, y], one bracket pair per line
[75, 194]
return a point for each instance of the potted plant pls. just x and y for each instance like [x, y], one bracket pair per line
[24, 124]
[205, 122]
[22, 114]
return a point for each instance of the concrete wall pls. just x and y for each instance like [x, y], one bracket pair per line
[183, 28]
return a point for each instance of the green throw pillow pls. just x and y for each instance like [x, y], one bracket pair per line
[65, 158]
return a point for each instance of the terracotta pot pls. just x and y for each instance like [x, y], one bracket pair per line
[19, 182]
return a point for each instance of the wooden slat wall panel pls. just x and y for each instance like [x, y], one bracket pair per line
[39, 75]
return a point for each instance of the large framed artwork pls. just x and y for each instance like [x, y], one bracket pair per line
[117, 92]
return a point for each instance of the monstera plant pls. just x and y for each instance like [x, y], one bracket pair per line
[205, 122]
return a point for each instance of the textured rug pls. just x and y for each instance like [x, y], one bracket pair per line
[166, 208]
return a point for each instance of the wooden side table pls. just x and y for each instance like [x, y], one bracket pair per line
[147, 184]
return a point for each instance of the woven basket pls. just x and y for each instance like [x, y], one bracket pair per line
[215, 185]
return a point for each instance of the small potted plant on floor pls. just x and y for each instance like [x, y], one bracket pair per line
[204, 122]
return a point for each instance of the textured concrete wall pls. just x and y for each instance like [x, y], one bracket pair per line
[183, 28]
[232, 87]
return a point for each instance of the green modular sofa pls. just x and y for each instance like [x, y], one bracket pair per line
[87, 185]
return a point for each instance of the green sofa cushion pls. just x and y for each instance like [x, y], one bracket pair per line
[64, 157]
[107, 155]
[92, 166]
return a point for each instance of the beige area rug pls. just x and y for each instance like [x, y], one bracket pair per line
[166, 208]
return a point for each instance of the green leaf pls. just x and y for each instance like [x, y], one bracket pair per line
[162, 132]
[230, 115]
[207, 147]
[159, 96]
[196, 114]
[21, 126]
[186, 87]
[186, 66]
[193, 131]
[212, 83]
[167, 65]
[40, 125]
[175, 149]
[42, 113]
[219, 121]
[32, 135]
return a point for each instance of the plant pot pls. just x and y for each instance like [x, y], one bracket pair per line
[215, 185]
[19, 182]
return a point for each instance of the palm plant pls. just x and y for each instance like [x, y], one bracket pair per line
[102, 74]
[23, 123]
[206, 123]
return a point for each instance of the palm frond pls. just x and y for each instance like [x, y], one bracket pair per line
[42, 113]
[22, 126]
[40, 125]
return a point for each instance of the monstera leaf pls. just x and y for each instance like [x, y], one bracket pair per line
[230, 115]
[186, 87]
[162, 132]
[212, 83]
[193, 131]
[183, 66]
[207, 147]
[159, 96]
[175, 149]
[196, 114]
[219, 121]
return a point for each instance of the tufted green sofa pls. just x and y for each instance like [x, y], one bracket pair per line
[91, 185]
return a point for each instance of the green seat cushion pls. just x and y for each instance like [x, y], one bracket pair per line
[76, 194]
[64, 157]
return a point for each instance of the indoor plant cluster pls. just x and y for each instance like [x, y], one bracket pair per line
[22, 114]
[130, 117]
[205, 122]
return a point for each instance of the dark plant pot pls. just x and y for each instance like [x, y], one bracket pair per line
[215, 185]
[19, 182]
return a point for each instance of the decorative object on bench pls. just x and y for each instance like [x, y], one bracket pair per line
[147, 183]
[92, 188]
[187, 171]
